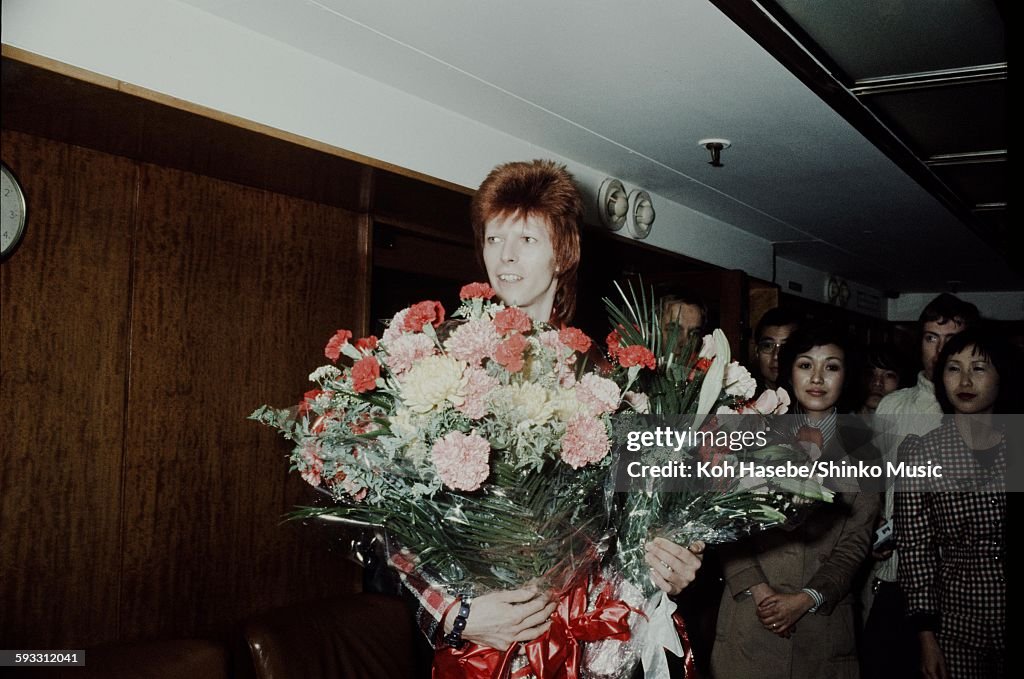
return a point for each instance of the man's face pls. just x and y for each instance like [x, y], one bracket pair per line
[768, 344]
[686, 317]
[934, 336]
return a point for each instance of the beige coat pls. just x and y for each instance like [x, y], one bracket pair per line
[823, 552]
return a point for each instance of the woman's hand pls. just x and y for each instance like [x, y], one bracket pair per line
[933, 663]
[673, 566]
[779, 612]
[500, 619]
[760, 592]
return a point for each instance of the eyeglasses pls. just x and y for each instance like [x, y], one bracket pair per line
[769, 347]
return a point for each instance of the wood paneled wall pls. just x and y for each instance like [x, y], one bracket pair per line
[145, 314]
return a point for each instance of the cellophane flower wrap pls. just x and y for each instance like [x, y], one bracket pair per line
[692, 384]
[480, 444]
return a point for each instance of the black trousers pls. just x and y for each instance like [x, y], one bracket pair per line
[889, 646]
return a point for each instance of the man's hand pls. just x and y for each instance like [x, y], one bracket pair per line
[673, 566]
[933, 663]
[500, 619]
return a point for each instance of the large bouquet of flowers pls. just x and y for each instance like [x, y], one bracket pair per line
[479, 444]
[696, 387]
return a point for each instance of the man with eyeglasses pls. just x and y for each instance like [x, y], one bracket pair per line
[774, 328]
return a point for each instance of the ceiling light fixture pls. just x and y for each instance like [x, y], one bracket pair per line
[715, 146]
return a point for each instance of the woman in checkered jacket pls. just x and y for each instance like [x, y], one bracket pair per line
[951, 531]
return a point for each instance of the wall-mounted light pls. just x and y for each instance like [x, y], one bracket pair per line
[640, 214]
[715, 147]
[612, 203]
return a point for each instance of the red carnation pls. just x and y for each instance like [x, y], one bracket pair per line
[364, 374]
[614, 343]
[422, 313]
[811, 435]
[575, 339]
[636, 355]
[333, 348]
[476, 290]
[510, 353]
[307, 400]
[512, 319]
[366, 344]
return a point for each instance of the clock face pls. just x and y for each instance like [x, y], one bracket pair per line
[12, 212]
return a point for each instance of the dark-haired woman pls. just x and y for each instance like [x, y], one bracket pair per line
[953, 544]
[787, 610]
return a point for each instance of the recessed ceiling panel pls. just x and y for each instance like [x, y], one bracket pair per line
[961, 119]
[872, 38]
[977, 183]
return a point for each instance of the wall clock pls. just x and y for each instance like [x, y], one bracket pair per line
[13, 212]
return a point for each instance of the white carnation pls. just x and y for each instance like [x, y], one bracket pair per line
[528, 402]
[739, 382]
[432, 382]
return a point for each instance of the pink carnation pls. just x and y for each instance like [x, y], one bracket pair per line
[311, 466]
[395, 329]
[357, 492]
[462, 460]
[473, 341]
[585, 441]
[564, 360]
[406, 350]
[597, 394]
[479, 386]
[549, 340]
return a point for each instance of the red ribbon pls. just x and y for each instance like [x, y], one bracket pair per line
[688, 662]
[553, 655]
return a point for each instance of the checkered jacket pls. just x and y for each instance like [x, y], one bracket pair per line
[432, 599]
[952, 541]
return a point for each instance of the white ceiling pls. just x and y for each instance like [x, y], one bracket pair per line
[629, 89]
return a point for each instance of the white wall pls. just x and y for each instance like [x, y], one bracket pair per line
[813, 285]
[176, 49]
[1000, 306]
